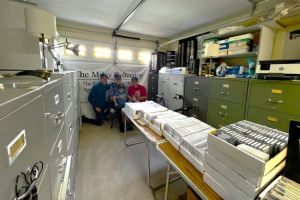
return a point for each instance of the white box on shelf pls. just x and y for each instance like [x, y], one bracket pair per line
[168, 137]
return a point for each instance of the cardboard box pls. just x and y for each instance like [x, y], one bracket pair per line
[223, 186]
[244, 185]
[250, 167]
[168, 137]
[197, 163]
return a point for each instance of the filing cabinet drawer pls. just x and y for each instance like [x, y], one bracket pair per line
[279, 96]
[54, 113]
[221, 113]
[22, 143]
[270, 118]
[69, 124]
[196, 86]
[67, 90]
[57, 164]
[229, 89]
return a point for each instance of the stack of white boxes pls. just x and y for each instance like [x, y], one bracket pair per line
[189, 136]
[236, 173]
[240, 44]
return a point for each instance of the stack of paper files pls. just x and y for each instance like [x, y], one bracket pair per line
[181, 132]
[193, 147]
[159, 121]
[134, 109]
[171, 125]
[243, 158]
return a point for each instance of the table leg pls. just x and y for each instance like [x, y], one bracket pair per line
[149, 171]
[124, 136]
[167, 182]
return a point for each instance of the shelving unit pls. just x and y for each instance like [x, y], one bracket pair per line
[262, 52]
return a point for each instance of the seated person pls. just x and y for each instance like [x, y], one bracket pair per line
[98, 100]
[118, 96]
[137, 92]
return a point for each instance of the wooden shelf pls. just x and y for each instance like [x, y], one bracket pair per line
[240, 55]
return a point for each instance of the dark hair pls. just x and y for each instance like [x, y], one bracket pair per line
[103, 75]
[134, 78]
[117, 75]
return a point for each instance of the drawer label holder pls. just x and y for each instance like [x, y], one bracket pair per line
[276, 91]
[16, 146]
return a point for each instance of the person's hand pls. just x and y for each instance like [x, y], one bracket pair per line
[133, 99]
[98, 109]
[114, 98]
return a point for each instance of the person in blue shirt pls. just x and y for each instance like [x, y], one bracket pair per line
[98, 98]
[118, 96]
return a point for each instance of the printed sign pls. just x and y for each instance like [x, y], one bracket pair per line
[88, 74]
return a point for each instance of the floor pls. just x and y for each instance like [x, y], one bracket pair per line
[107, 170]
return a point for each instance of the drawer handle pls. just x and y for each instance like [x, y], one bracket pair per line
[195, 105]
[224, 93]
[272, 101]
[175, 83]
[69, 96]
[195, 88]
[58, 118]
[223, 114]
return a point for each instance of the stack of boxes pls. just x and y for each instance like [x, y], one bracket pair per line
[242, 158]
[223, 49]
[204, 44]
[189, 136]
[240, 44]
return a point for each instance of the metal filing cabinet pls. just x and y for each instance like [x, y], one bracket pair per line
[163, 87]
[176, 86]
[168, 86]
[152, 86]
[72, 122]
[196, 96]
[227, 100]
[23, 135]
[273, 103]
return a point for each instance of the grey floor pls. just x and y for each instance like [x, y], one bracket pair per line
[107, 170]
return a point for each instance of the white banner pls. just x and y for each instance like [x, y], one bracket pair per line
[88, 74]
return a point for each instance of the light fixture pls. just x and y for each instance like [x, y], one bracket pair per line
[211, 51]
[42, 24]
[66, 45]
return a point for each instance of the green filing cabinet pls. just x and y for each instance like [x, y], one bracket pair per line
[196, 90]
[273, 103]
[227, 100]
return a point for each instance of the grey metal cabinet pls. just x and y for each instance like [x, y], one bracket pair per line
[163, 87]
[22, 138]
[196, 92]
[152, 86]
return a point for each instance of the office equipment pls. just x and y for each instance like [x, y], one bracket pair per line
[278, 69]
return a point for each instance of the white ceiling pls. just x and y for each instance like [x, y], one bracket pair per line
[160, 18]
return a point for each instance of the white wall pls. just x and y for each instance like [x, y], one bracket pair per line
[18, 49]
